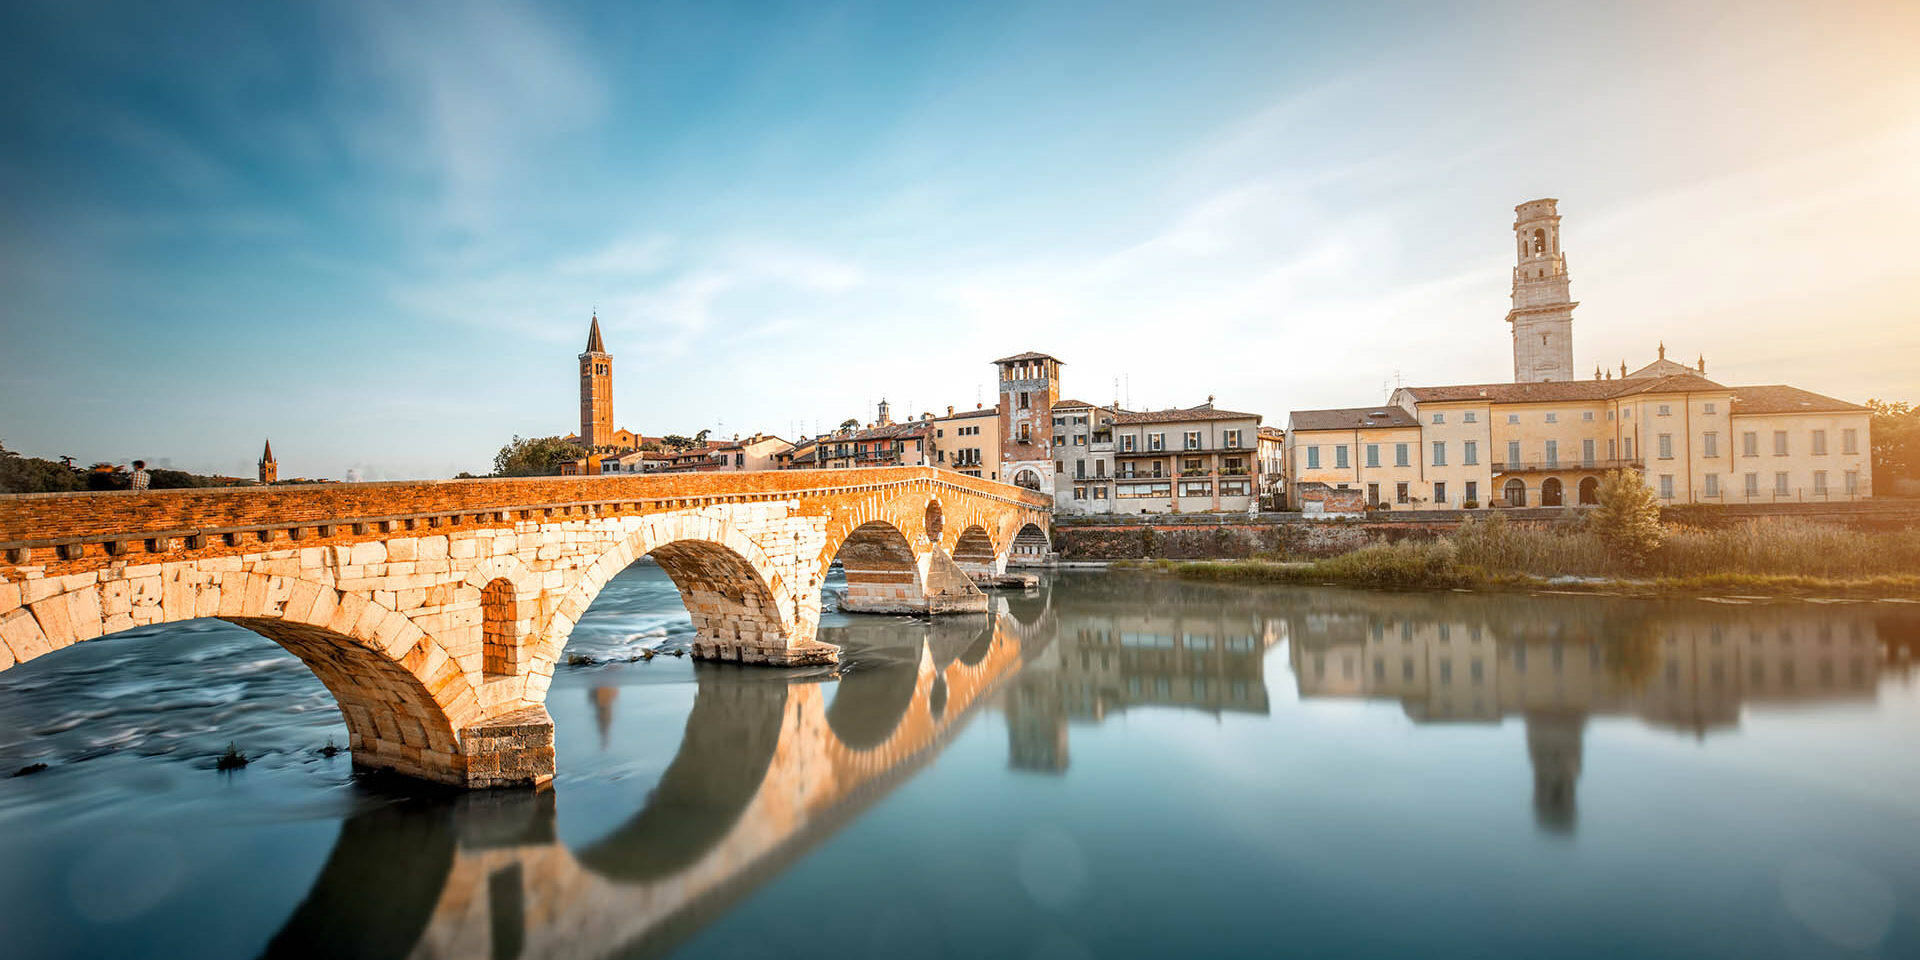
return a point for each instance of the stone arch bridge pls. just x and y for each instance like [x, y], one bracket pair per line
[435, 612]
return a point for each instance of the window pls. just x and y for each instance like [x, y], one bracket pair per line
[1553, 451]
[1470, 452]
[1079, 439]
[1079, 493]
[1196, 488]
[1753, 484]
[1059, 421]
[1192, 466]
[1100, 469]
[1710, 444]
[1079, 469]
[1471, 416]
[1126, 491]
[1193, 439]
[1513, 418]
[1156, 441]
[1373, 493]
[1059, 440]
[1439, 453]
[1820, 482]
[1373, 454]
[1665, 442]
[1440, 492]
[1230, 439]
[1849, 441]
[1586, 416]
[1439, 418]
[1313, 458]
[1780, 484]
[1819, 443]
[1666, 486]
[1629, 448]
[1099, 493]
[1553, 418]
[1400, 492]
[1026, 433]
[1750, 444]
[1664, 410]
[1023, 400]
[1126, 443]
[1586, 450]
[1779, 443]
[1513, 451]
[1713, 484]
[1340, 456]
[1852, 480]
[1709, 408]
[1399, 454]
[1236, 488]
[1473, 490]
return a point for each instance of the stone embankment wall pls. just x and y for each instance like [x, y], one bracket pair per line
[1292, 536]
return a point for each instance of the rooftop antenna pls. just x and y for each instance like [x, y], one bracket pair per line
[1127, 379]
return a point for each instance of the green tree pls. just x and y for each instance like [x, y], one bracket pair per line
[1896, 443]
[20, 474]
[674, 441]
[701, 437]
[533, 457]
[1627, 519]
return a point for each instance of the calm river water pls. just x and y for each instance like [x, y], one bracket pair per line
[1109, 766]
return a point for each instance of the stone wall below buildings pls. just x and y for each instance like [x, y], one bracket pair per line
[1292, 536]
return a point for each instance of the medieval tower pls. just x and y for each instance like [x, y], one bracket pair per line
[269, 467]
[596, 391]
[1029, 387]
[1542, 314]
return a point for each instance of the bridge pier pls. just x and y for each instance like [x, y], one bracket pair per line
[933, 584]
[514, 749]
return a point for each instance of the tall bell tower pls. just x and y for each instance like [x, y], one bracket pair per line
[596, 391]
[1029, 387]
[1542, 314]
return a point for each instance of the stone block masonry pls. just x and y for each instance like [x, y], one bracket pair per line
[436, 612]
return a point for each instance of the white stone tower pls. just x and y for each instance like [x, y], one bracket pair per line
[1542, 314]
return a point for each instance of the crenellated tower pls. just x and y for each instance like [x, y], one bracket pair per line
[1029, 387]
[596, 391]
[1542, 314]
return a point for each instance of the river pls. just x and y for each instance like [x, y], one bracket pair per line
[1108, 766]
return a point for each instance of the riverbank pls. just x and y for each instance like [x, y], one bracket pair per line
[1776, 558]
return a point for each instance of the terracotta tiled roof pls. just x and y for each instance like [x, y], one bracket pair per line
[1029, 355]
[1780, 398]
[1273, 433]
[1205, 411]
[1072, 403]
[1561, 391]
[1353, 418]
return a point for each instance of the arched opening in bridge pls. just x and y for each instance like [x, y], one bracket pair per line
[500, 628]
[735, 615]
[1551, 493]
[973, 551]
[392, 718]
[1030, 546]
[1590, 491]
[882, 573]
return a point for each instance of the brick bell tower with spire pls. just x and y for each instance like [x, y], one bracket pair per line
[269, 467]
[596, 391]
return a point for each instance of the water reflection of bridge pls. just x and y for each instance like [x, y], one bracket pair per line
[1686, 666]
[766, 770]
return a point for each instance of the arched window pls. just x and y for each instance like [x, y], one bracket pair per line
[1539, 243]
[1516, 493]
[1551, 492]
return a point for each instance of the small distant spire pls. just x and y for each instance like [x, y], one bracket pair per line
[1702, 364]
[1663, 349]
[594, 344]
[1623, 369]
[1596, 371]
[267, 456]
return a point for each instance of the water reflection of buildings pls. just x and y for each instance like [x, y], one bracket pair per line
[1688, 667]
[767, 769]
[1126, 643]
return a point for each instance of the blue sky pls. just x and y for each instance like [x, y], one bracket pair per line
[374, 232]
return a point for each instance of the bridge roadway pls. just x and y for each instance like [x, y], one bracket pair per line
[435, 612]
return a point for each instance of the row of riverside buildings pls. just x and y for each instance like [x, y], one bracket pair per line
[1547, 438]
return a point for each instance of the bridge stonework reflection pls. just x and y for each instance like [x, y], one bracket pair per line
[766, 770]
[436, 612]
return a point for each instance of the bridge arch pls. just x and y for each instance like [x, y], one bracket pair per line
[404, 698]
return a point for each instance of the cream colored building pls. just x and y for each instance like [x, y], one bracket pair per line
[969, 441]
[1547, 440]
[1188, 460]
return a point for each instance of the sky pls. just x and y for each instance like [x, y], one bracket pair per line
[375, 232]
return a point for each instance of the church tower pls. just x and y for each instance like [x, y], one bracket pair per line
[1542, 314]
[269, 467]
[596, 391]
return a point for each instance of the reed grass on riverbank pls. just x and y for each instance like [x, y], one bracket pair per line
[1784, 557]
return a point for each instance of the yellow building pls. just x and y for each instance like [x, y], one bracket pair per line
[1545, 439]
[969, 441]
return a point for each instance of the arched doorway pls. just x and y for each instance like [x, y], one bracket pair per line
[1590, 490]
[1515, 492]
[1029, 479]
[1551, 493]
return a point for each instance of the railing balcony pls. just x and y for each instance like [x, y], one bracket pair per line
[1543, 466]
[1193, 473]
[1234, 471]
